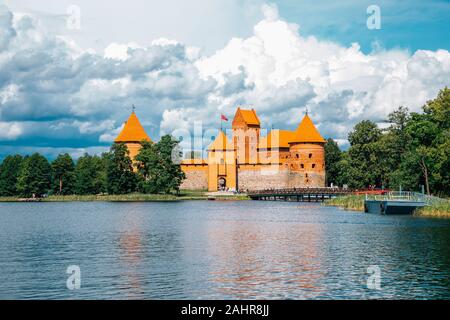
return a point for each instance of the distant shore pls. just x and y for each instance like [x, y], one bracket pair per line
[356, 203]
[133, 197]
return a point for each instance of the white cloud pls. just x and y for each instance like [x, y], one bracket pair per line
[340, 85]
[52, 90]
[10, 130]
[119, 51]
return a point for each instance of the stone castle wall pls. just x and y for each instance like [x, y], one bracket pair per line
[196, 178]
[270, 177]
[256, 177]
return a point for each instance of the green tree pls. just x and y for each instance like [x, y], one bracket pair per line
[90, 175]
[332, 157]
[344, 169]
[439, 109]
[158, 166]
[408, 174]
[421, 151]
[148, 164]
[34, 176]
[9, 172]
[119, 168]
[63, 169]
[364, 155]
[399, 138]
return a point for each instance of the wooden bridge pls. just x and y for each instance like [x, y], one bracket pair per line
[298, 194]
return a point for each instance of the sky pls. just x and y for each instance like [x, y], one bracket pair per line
[70, 70]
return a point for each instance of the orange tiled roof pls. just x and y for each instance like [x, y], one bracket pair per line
[276, 139]
[132, 131]
[307, 132]
[221, 143]
[249, 116]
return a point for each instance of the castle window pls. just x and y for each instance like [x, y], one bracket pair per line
[310, 155]
[306, 175]
[297, 156]
[313, 165]
[303, 166]
[307, 180]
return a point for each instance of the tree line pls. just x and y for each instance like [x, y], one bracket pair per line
[113, 172]
[413, 151]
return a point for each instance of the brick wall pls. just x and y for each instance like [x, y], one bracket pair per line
[268, 177]
[196, 177]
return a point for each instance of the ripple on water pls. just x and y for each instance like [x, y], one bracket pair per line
[218, 250]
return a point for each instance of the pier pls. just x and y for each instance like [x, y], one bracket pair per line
[398, 202]
[298, 194]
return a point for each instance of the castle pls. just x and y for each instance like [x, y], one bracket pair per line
[281, 159]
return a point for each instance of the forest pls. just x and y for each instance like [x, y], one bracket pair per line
[413, 151]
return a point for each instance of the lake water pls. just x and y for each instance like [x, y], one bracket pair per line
[218, 250]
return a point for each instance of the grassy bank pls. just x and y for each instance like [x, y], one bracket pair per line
[353, 202]
[437, 210]
[133, 197]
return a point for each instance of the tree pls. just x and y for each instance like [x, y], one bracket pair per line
[364, 132]
[439, 109]
[63, 174]
[157, 167]
[426, 159]
[408, 173]
[171, 156]
[9, 172]
[119, 168]
[399, 120]
[148, 164]
[332, 157]
[364, 155]
[424, 154]
[90, 175]
[34, 176]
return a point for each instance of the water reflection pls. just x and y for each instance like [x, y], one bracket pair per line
[267, 257]
[192, 250]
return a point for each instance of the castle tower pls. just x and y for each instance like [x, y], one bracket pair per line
[246, 131]
[132, 135]
[274, 148]
[307, 154]
[221, 164]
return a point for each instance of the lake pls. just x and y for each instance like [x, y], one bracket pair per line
[219, 250]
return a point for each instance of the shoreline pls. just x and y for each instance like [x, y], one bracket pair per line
[134, 197]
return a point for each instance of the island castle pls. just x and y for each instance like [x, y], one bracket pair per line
[247, 161]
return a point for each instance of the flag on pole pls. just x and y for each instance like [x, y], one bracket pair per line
[222, 117]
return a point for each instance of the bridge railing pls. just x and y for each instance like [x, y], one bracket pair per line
[295, 191]
[406, 196]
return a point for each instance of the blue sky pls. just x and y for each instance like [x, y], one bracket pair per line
[66, 89]
[409, 24]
